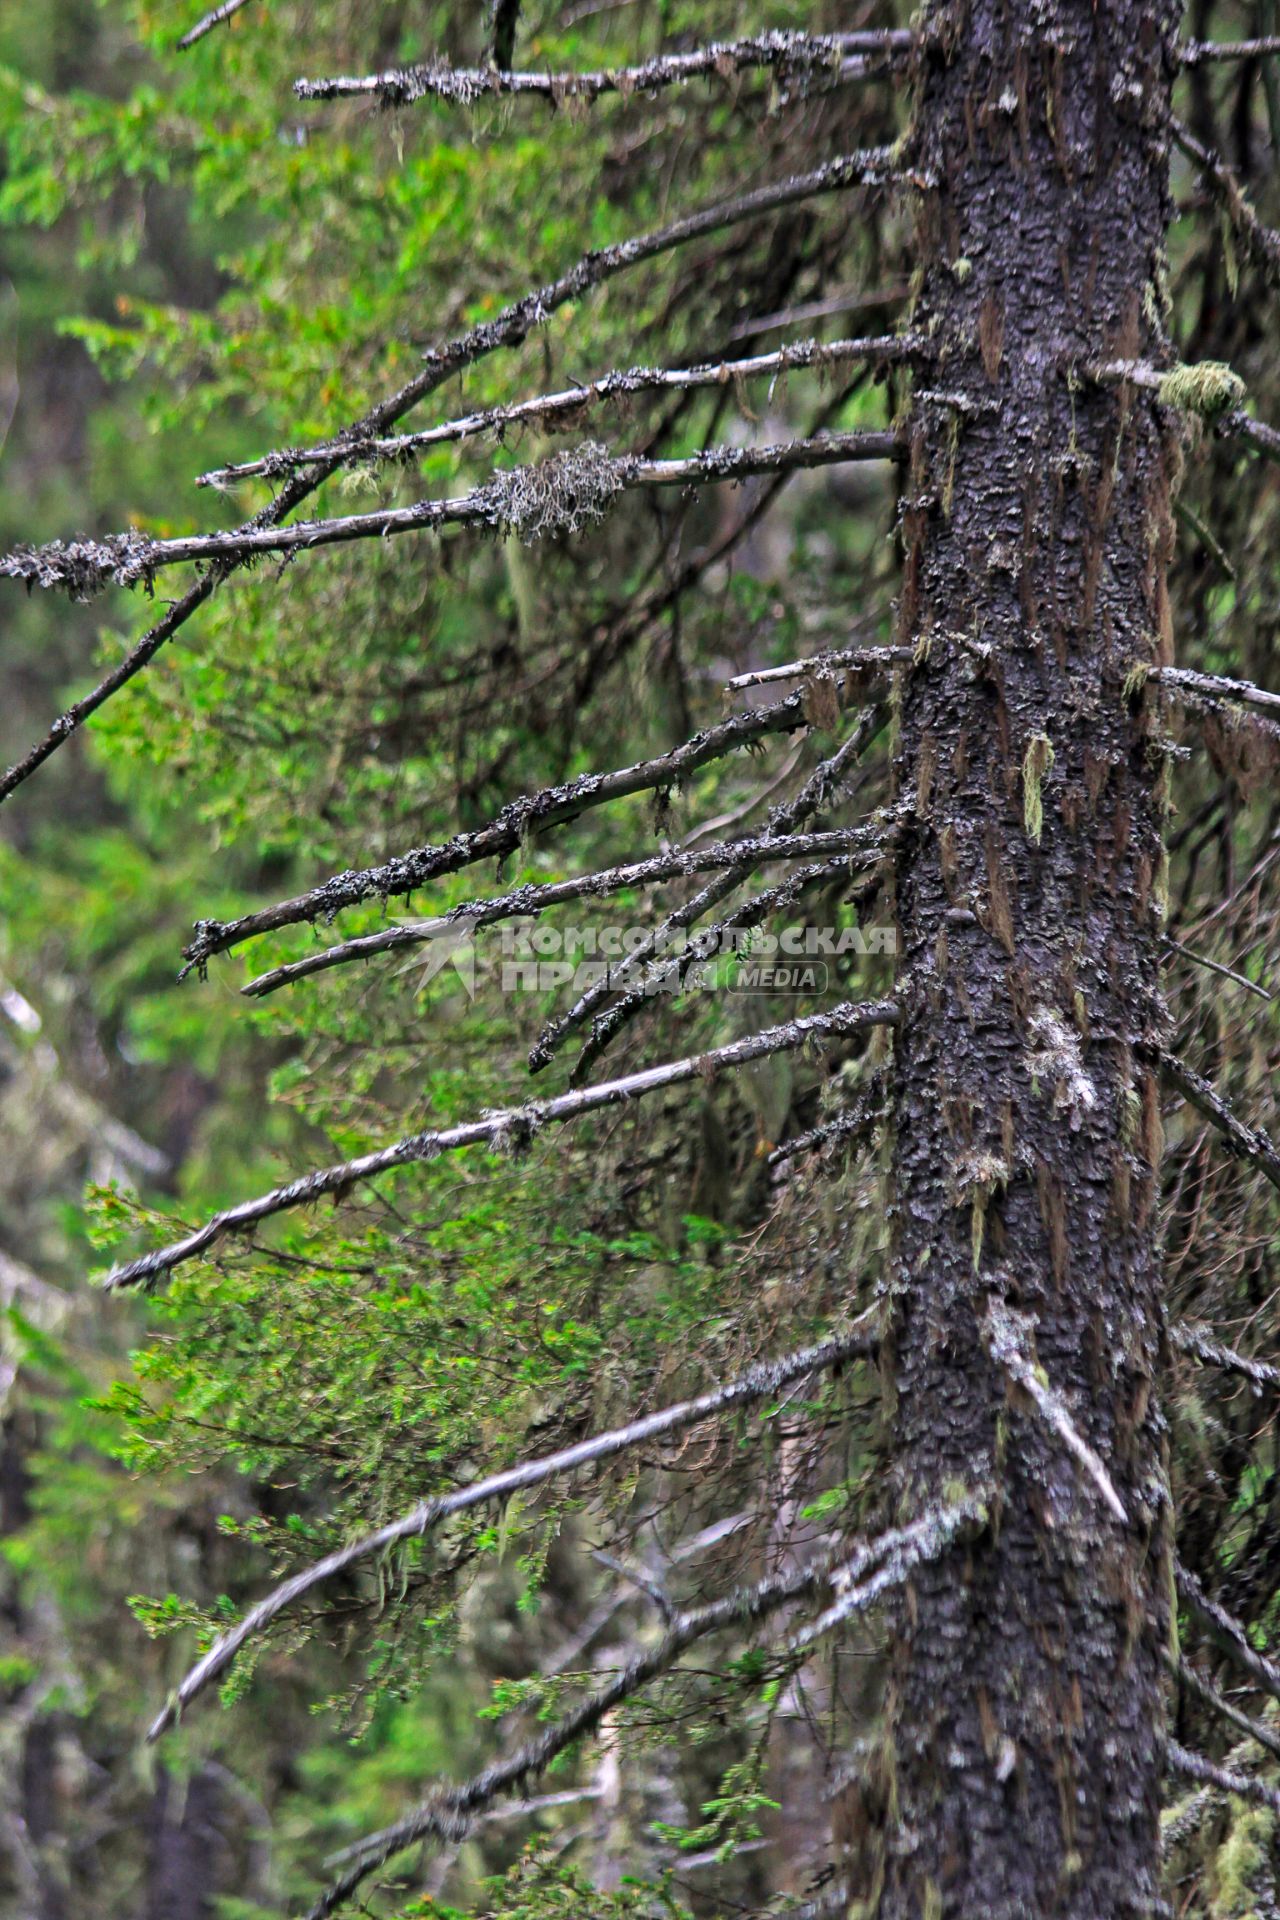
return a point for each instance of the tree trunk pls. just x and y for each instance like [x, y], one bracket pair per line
[185, 1847]
[1023, 1751]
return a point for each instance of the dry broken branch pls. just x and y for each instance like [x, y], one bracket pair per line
[1216, 966]
[1200, 1344]
[682, 958]
[1193, 1766]
[212, 19]
[1226, 1631]
[1195, 53]
[834, 660]
[847, 1129]
[900, 1551]
[447, 1815]
[1257, 433]
[791, 55]
[1261, 241]
[1264, 1735]
[505, 1130]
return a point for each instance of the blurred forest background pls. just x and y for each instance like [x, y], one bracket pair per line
[194, 266]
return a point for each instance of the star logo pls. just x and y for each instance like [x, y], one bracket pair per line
[445, 942]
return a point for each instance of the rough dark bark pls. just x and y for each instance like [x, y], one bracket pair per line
[1024, 1739]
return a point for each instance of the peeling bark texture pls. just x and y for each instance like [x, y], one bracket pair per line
[1021, 1769]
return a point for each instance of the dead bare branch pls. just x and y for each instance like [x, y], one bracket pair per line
[1212, 1698]
[900, 1551]
[821, 786]
[1200, 1344]
[518, 820]
[757, 1383]
[215, 18]
[1226, 1631]
[543, 410]
[1193, 1766]
[1259, 435]
[835, 660]
[857, 845]
[1261, 241]
[508, 1129]
[847, 1129]
[1195, 53]
[507, 329]
[1216, 966]
[1246, 1143]
[448, 1813]
[791, 55]
[563, 494]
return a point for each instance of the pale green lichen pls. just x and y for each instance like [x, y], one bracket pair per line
[1036, 762]
[979, 1177]
[1130, 1115]
[962, 269]
[1136, 679]
[1160, 887]
[1209, 388]
[1241, 1867]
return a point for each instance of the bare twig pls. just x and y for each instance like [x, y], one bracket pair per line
[1212, 1698]
[689, 955]
[636, 1577]
[822, 783]
[1259, 435]
[757, 1383]
[1262, 241]
[1226, 1631]
[789, 53]
[900, 1551]
[138, 656]
[835, 660]
[1216, 966]
[818, 789]
[858, 845]
[1006, 1335]
[1195, 53]
[507, 1129]
[542, 410]
[1200, 1344]
[850, 300]
[847, 1129]
[1193, 1766]
[447, 1815]
[1246, 1143]
[518, 820]
[507, 329]
[214, 18]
